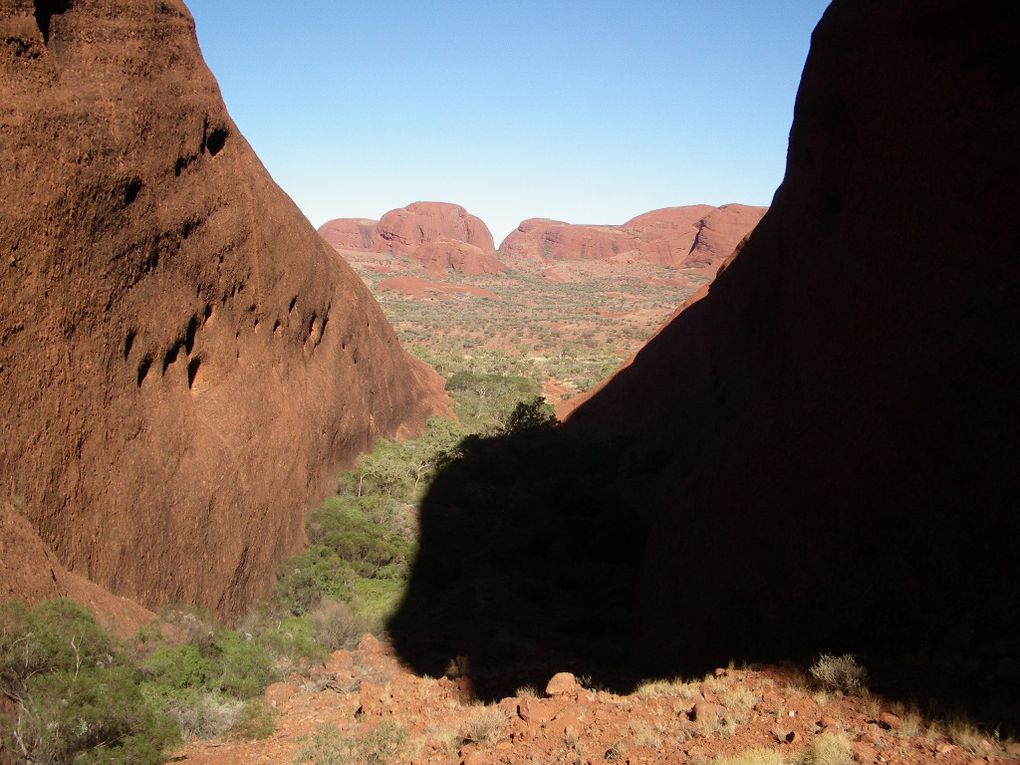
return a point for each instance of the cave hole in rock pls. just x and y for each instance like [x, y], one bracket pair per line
[46, 10]
[129, 341]
[194, 367]
[216, 141]
[293, 303]
[276, 327]
[143, 369]
[131, 191]
[171, 356]
[189, 335]
[188, 228]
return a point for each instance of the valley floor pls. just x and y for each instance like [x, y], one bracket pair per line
[363, 706]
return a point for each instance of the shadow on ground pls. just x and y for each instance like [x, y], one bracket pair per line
[530, 552]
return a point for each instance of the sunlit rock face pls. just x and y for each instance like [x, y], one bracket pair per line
[184, 363]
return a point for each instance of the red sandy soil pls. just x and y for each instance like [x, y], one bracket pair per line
[414, 287]
[728, 712]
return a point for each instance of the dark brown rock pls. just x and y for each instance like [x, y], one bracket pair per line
[185, 364]
[852, 362]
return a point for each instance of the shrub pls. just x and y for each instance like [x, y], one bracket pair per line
[486, 726]
[839, 673]
[336, 626]
[292, 640]
[178, 667]
[199, 714]
[256, 721]
[55, 635]
[94, 715]
[828, 748]
[245, 667]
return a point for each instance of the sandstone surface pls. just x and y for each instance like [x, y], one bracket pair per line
[836, 416]
[438, 235]
[695, 236]
[350, 233]
[184, 364]
[404, 230]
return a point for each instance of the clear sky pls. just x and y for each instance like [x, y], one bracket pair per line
[589, 112]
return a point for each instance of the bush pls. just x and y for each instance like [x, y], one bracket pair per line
[178, 667]
[336, 625]
[826, 749]
[95, 715]
[255, 722]
[245, 667]
[55, 635]
[200, 714]
[292, 640]
[839, 673]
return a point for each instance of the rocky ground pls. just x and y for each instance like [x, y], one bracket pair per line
[362, 706]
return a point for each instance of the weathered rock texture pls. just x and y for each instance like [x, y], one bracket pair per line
[184, 364]
[350, 233]
[696, 236]
[837, 417]
[439, 235]
[30, 571]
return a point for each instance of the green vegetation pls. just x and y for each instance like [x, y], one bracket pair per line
[83, 696]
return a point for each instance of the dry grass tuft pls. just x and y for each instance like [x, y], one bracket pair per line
[485, 726]
[752, 757]
[839, 673]
[829, 748]
[654, 689]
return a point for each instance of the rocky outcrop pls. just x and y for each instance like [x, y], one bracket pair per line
[835, 419]
[30, 571]
[696, 236]
[184, 364]
[444, 253]
[350, 233]
[405, 230]
[438, 235]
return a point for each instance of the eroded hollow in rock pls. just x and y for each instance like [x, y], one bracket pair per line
[193, 372]
[216, 141]
[46, 10]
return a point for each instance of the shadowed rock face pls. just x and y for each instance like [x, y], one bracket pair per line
[184, 364]
[839, 412]
[696, 236]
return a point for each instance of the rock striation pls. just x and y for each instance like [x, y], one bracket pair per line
[695, 236]
[836, 417]
[184, 364]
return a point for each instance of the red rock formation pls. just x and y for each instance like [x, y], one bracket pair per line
[30, 571]
[443, 253]
[184, 364]
[350, 233]
[403, 231]
[697, 236]
[838, 414]
[439, 235]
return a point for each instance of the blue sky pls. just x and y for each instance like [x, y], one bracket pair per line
[590, 112]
